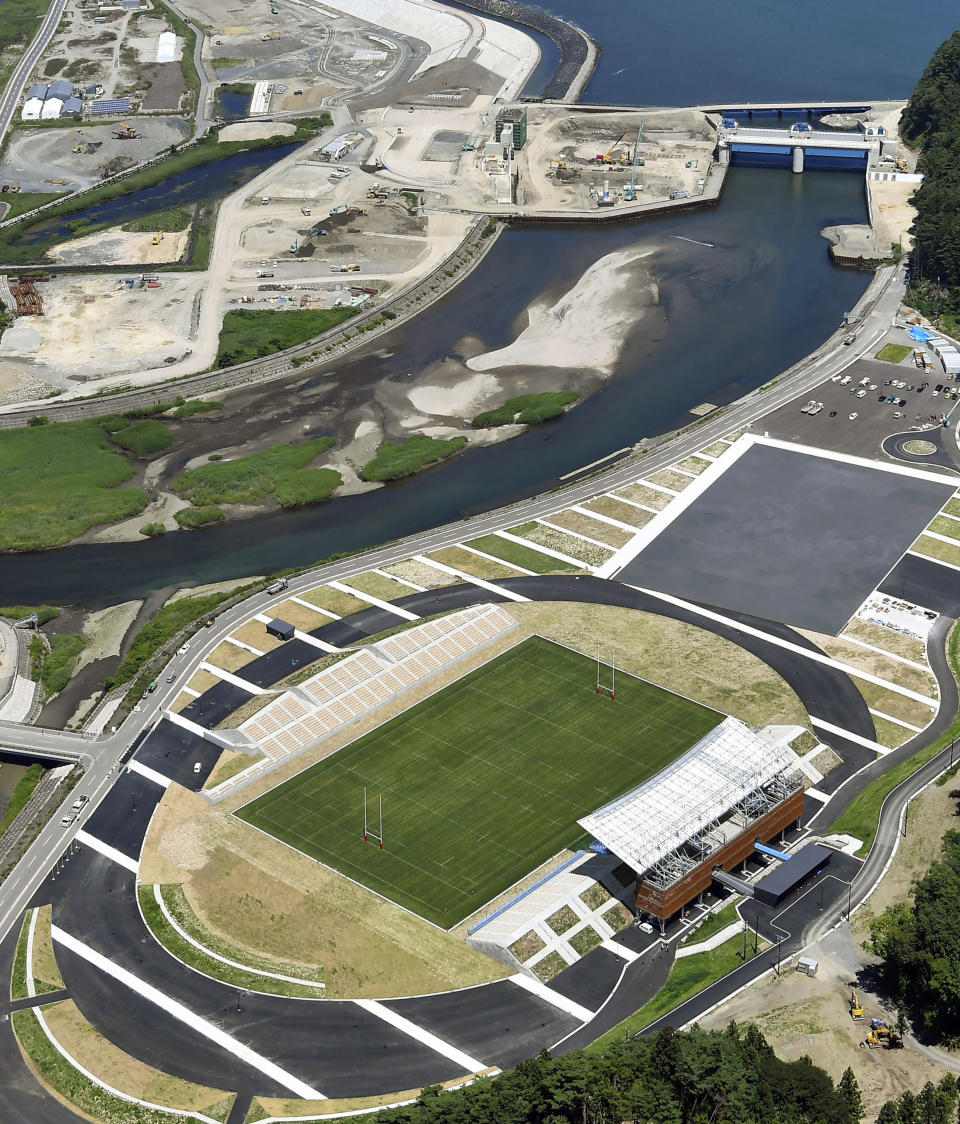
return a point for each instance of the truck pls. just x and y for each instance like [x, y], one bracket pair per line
[263, 273]
[849, 338]
[277, 587]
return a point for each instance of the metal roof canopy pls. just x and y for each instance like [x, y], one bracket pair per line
[775, 886]
[691, 793]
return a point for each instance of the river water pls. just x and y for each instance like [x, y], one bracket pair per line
[736, 314]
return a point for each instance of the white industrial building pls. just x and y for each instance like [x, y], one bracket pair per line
[167, 47]
[51, 109]
[31, 109]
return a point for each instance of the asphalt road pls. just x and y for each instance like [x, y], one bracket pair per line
[10, 101]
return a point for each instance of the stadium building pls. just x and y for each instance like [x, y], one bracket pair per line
[705, 810]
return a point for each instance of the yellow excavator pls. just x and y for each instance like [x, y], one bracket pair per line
[856, 1010]
[558, 163]
[157, 238]
[604, 157]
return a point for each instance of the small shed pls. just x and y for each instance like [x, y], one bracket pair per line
[95, 90]
[61, 89]
[807, 965]
[281, 630]
[72, 107]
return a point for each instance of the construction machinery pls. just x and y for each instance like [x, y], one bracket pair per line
[78, 148]
[604, 157]
[157, 238]
[559, 163]
[126, 132]
[881, 1033]
[339, 209]
[856, 1009]
[630, 191]
[294, 246]
[901, 165]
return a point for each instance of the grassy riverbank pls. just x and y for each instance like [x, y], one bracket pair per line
[248, 333]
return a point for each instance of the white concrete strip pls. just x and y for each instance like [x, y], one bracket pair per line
[330, 649]
[490, 558]
[191, 691]
[941, 538]
[634, 503]
[454, 573]
[663, 519]
[847, 458]
[947, 515]
[576, 534]
[31, 985]
[371, 600]
[684, 471]
[541, 991]
[608, 519]
[200, 731]
[105, 849]
[885, 652]
[813, 775]
[876, 747]
[593, 464]
[817, 657]
[402, 581]
[229, 677]
[818, 795]
[315, 608]
[135, 766]
[702, 456]
[398, 1022]
[549, 551]
[242, 644]
[658, 487]
[895, 721]
[929, 558]
[708, 945]
[620, 950]
[183, 1014]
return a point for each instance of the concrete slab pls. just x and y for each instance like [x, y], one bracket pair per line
[789, 536]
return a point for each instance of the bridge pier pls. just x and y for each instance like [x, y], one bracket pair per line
[798, 158]
[723, 155]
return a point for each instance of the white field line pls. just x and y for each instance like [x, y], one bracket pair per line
[453, 572]
[884, 652]
[183, 1014]
[703, 456]
[315, 608]
[941, 538]
[330, 649]
[620, 950]
[190, 691]
[947, 515]
[31, 986]
[94, 1080]
[896, 721]
[604, 518]
[817, 657]
[876, 747]
[178, 928]
[658, 487]
[541, 991]
[683, 471]
[371, 600]
[848, 458]
[489, 558]
[229, 677]
[134, 766]
[930, 558]
[105, 849]
[419, 1034]
[549, 551]
[634, 503]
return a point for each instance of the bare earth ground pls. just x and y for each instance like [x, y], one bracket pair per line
[103, 631]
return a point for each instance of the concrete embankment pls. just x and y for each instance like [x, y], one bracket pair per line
[578, 52]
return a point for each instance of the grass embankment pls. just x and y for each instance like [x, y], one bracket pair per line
[171, 220]
[204, 151]
[22, 792]
[894, 352]
[248, 334]
[393, 462]
[144, 438]
[688, 977]
[196, 406]
[228, 769]
[90, 1098]
[224, 62]
[278, 473]
[528, 559]
[44, 613]
[862, 814]
[56, 481]
[194, 517]
[53, 666]
[23, 201]
[526, 409]
[161, 627]
[180, 909]
[715, 923]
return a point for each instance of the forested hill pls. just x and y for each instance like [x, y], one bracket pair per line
[693, 1077]
[931, 121]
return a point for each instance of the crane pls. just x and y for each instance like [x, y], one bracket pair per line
[630, 192]
[604, 157]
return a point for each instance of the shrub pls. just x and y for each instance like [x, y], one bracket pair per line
[196, 406]
[192, 517]
[526, 409]
[39, 419]
[393, 462]
[16, 612]
[144, 437]
[153, 530]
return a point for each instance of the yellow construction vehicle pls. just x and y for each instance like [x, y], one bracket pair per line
[559, 163]
[901, 165]
[78, 148]
[856, 1010]
[157, 238]
[604, 157]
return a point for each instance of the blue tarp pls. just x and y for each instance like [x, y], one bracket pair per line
[921, 335]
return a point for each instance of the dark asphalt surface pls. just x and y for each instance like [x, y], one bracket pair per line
[336, 1045]
[923, 581]
[789, 536]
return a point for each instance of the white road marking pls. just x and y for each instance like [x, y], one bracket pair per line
[876, 747]
[885, 652]
[508, 593]
[371, 600]
[185, 1015]
[105, 849]
[535, 987]
[398, 1022]
[929, 558]
[243, 644]
[896, 721]
[315, 608]
[545, 522]
[229, 677]
[620, 950]
[321, 644]
[927, 533]
[818, 795]
[135, 766]
[848, 458]
[191, 691]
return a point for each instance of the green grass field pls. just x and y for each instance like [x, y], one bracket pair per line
[482, 781]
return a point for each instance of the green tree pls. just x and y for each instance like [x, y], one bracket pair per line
[849, 1090]
[888, 1113]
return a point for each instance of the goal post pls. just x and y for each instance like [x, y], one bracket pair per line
[606, 675]
[368, 822]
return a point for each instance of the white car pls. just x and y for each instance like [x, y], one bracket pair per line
[844, 380]
[853, 416]
[184, 649]
[872, 387]
[835, 378]
[898, 413]
[861, 393]
[864, 381]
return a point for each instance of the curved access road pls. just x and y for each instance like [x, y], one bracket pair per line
[10, 101]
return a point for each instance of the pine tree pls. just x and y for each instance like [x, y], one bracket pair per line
[888, 1113]
[849, 1090]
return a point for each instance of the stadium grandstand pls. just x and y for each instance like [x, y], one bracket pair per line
[703, 811]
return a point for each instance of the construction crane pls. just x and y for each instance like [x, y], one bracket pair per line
[604, 157]
[856, 1010]
[630, 191]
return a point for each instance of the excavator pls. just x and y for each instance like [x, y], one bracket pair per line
[881, 1034]
[559, 163]
[126, 132]
[856, 1010]
[604, 157]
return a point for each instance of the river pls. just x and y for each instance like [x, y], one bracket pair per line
[736, 314]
